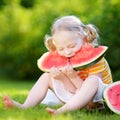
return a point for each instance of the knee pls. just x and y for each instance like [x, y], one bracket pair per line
[44, 79]
[93, 79]
[45, 75]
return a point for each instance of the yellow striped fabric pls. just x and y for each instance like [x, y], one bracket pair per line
[102, 66]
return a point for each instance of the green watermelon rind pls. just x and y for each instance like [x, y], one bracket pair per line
[89, 64]
[40, 60]
[76, 67]
[92, 61]
[106, 98]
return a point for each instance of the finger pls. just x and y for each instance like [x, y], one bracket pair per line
[70, 67]
[64, 69]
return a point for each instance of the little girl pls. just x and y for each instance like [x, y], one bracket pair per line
[68, 36]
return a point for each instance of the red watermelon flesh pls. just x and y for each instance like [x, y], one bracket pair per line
[51, 59]
[112, 97]
[87, 55]
[54, 59]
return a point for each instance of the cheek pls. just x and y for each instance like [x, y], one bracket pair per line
[78, 47]
[60, 53]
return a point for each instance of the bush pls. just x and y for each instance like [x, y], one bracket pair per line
[23, 27]
[108, 22]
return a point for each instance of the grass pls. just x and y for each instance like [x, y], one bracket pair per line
[18, 90]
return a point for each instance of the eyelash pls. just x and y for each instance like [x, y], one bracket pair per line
[60, 49]
[72, 46]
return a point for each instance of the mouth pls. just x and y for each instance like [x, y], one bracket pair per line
[70, 55]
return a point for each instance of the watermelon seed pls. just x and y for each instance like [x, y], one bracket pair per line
[118, 94]
[111, 90]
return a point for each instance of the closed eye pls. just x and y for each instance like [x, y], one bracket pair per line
[60, 49]
[71, 45]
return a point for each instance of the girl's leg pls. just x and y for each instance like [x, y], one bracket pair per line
[81, 98]
[35, 96]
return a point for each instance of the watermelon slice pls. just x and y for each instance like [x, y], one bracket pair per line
[112, 97]
[86, 56]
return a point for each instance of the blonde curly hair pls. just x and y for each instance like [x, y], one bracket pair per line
[71, 23]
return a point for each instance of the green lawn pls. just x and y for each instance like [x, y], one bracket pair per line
[19, 90]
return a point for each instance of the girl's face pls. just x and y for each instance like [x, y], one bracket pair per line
[67, 43]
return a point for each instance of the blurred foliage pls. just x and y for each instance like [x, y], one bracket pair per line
[24, 23]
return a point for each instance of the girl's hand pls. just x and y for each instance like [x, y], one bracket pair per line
[55, 72]
[69, 71]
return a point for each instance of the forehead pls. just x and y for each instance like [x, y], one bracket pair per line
[64, 37]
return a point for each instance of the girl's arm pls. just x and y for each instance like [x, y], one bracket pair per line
[73, 75]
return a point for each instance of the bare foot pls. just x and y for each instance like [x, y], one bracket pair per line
[8, 103]
[51, 111]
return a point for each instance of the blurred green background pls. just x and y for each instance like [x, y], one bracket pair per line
[24, 23]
